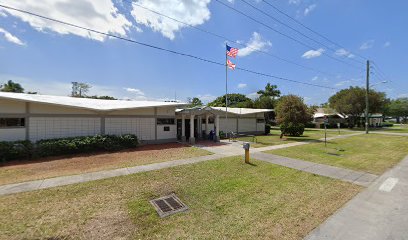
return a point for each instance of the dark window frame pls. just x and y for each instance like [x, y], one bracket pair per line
[260, 120]
[166, 121]
[166, 128]
[10, 122]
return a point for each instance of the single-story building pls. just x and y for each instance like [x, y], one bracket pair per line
[35, 117]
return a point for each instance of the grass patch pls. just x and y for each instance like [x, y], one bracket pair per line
[227, 199]
[372, 153]
[273, 137]
[19, 171]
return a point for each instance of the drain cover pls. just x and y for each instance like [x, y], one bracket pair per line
[168, 205]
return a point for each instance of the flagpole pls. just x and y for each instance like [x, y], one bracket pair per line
[226, 91]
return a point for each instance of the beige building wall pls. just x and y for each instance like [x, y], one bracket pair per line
[8, 106]
[62, 127]
[12, 134]
[143, 128]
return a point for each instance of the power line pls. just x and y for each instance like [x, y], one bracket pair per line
[283, 34]
[308, 28]
[158, 48]
[294, 29]
[229, 40]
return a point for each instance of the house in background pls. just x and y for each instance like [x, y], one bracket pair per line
[333, 117]
[35, 117]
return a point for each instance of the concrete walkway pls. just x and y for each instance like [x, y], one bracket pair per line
[359, 178]
[390, 133]
[86, 177]
[380, 212]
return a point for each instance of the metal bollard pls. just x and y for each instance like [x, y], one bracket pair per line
[246, 146]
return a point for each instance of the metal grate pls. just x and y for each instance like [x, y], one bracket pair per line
[168, 205]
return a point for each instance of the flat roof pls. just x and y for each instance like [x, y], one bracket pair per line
[86, 103]
[236, 111]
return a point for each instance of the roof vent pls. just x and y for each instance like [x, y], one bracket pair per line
[168, 205]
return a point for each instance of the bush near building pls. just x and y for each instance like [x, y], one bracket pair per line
[22, 150]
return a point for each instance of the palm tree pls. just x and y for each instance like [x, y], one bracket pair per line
[270, 91]
[11, 86]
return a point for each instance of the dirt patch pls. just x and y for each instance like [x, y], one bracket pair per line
[75, 164]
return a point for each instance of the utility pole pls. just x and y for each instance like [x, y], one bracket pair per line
[366, 98]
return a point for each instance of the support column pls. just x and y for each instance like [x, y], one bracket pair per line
[217, 128]
[207, 130]
[183, 128]
[199, 126]
[192, 139]
[27, 121]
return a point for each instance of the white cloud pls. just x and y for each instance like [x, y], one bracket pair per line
[101, 15]
[207, 98]
[367, 45]
[403, 95]
[135, 91]
[344, 53]
[315, 78]
[387, 44]
[342, 83]
[2, 14]
[309, 9]
[294, 2]
[193, 12]
[313, 53]
[255, 43]
[11, 38]
[253, 95]
[242, 85]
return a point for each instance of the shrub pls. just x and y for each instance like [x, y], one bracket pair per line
[54, 147]
[15, 150]
[387, 124]
[292, 129]
[267, 129]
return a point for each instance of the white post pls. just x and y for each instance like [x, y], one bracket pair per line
[217, 128]
[183, 128]
[192, 139]
[199, 126]
[207, 130]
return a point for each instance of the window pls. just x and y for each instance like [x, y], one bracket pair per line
[260, 120]
[167, 129]
[165, 121]
[210, 120]
[12, 122]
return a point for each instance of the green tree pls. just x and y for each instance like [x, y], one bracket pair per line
[194, 102]
[292, 114]
[351, 102]
[11, 86]
[80, 89]
[398, 108]
[270, 91]
[234, 100]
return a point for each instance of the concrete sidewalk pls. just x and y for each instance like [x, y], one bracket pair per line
[359, 178]
[380, 212]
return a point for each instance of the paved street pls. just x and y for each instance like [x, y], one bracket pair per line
[380, 212]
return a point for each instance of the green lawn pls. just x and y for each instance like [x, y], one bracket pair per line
[396, 129]
[273, 137]
[227, 199]
[372, 153]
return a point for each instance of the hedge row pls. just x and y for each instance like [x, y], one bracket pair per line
[54, 147]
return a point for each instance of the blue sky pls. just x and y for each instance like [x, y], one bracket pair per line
[46, 57]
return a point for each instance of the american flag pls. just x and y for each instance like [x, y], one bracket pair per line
[232, 52]
[230, 64]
